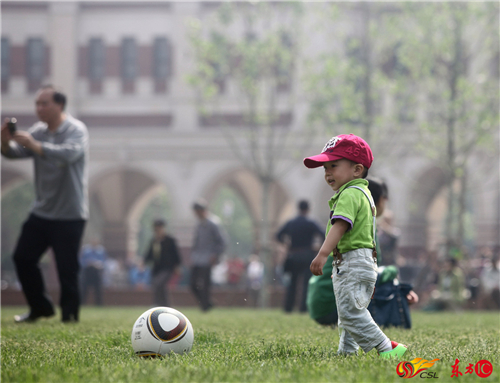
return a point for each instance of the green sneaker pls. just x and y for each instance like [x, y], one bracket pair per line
[397, 351]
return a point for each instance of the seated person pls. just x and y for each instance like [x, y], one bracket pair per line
[450, 294]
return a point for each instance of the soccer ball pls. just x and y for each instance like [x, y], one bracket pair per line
[162, 330]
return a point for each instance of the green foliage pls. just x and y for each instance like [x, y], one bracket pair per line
[251, 48]
[460, 84]
[246, 56]
[256, 60]
[236, 220]
[438, 58]
[436, 64]
[451, 55]
[16, 205]
[236, 345]
[349, 82]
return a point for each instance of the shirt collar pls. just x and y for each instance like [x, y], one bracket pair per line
[356, 182]
[61, 128]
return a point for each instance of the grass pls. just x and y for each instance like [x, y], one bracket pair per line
[236, 345]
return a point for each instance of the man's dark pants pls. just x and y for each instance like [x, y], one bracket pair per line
[299, 276]
[200, 285]
[159, 284]
[64, 237]
[92, 277]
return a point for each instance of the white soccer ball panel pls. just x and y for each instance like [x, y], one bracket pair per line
[168, 322]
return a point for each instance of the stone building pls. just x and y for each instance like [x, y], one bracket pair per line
[123, 66]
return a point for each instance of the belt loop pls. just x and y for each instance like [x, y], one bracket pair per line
[337, 256]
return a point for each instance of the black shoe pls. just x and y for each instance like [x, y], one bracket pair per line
[69, 320]
[209, 307]
[31, 317]
[69, 315]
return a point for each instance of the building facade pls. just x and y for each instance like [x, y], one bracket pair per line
[124, 66]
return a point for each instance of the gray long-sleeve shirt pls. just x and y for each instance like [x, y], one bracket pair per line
[61, 173]
[208, 242]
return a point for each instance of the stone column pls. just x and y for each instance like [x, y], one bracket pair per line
[186, 114]
[63, 22]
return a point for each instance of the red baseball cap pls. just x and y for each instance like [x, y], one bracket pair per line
[346, 146]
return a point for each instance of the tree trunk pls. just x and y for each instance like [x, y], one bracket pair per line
[367, 78]
[264, 245]
[462, 209]
[455, 71]
[449, 218]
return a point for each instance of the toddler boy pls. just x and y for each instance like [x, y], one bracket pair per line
[351, 237]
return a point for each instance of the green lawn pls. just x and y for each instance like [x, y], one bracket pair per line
[237, 345]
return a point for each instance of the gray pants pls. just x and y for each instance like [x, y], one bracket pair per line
[353, 284]
[159, 282]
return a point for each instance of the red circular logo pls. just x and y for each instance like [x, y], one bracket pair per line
[483, 368]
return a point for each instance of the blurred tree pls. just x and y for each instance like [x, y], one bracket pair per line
[414, 76]
[351, 84]
[452, 53]
[251, 49]
[16, 205]
[236, 220]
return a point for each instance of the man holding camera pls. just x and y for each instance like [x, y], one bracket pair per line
[58, 145]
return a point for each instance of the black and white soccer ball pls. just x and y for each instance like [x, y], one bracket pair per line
[162, 330]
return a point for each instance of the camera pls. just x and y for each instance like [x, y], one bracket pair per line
[12, 125]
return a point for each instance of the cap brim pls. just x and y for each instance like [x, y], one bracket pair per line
[319, 160]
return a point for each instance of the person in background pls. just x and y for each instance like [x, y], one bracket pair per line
[220, 272]
[395, 314]
[388, 237]
[299, 233]
[164, 255]
[235, 271]
[58, 145]
[208, 245]
[92, 260]
[255, 276]
[451, 288]
[490, 284]
[139, 276]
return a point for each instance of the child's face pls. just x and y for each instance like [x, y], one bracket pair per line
[340, 172]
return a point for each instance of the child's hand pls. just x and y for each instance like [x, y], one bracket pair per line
[412, 297]
[318, 263]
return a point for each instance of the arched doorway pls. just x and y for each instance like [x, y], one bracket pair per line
[155, 203]
[117, 200]
[246, 186]
[427, 210]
